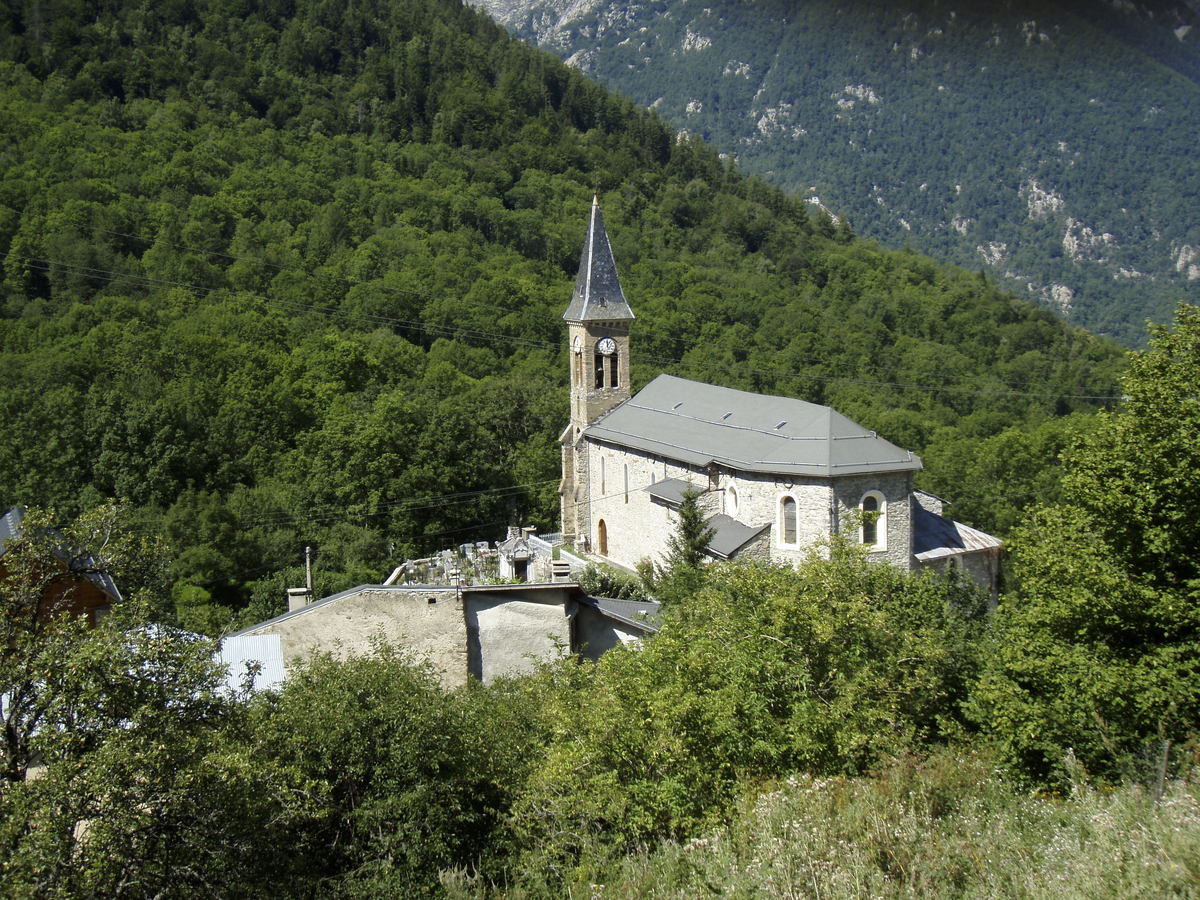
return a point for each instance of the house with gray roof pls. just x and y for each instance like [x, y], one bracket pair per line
[776, 475]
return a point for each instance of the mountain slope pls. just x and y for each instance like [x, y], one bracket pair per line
[1056, 144]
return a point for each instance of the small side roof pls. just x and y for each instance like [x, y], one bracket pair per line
[699, 424]
[670, 490]
[936, 537]
[731, 535]
[643, 614]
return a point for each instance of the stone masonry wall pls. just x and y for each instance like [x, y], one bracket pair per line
[637, 527]
[896, 488]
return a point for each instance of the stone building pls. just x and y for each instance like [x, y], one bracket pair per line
[775, 475]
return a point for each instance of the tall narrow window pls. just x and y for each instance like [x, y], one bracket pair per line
[626, 482]
[870, 526]
[602, 476]
[788, 520]
[612, 370]
[602, 537]
[874, 520]
[599, 371]
[579, 369]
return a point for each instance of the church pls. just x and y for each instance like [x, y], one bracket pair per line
[774, 475]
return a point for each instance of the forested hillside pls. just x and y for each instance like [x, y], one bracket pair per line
[1052, 144]
[281, 276]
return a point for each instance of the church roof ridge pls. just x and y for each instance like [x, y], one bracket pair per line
[598, 296]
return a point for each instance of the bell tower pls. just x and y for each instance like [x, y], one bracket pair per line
[598, 320]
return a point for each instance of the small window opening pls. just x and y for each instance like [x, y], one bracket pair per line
[612, 370]
[599, 371]
[781, 424]
[789, 520]
[870, 527]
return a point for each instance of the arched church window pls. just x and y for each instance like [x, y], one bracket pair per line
[874, 520]
[602, 537]
[612, 370]
[787, 520]
[599, 370]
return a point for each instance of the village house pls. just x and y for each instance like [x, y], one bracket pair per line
[482, 632]
[775, 475]
[77, 585]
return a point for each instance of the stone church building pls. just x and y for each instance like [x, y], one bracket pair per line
[775, 475]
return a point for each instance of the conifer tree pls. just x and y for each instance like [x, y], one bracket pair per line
[687, 547]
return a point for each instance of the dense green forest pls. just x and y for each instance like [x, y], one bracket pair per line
[282, 276]
[287, 275]
[1053, 144]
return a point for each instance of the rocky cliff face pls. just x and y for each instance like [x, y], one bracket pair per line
[1054, 144]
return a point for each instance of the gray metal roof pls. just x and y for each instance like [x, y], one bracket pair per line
[936, 537]
[598, 296]
[731, 535]
[642, 613]
[699, 424]
[671, 490]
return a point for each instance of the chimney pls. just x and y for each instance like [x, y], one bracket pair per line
[297, 598]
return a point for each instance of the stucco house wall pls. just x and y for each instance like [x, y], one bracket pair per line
[508, 631]
[428, 621]
[481, 632]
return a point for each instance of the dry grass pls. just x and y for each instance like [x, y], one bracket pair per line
[948, 827]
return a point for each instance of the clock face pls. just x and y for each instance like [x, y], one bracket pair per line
[607, 346]
[578, 343]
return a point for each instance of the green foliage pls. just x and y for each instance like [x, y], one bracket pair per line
[1097, 648]
[764, 671]
[687, 548]
[603, 581]
[391, 779]
[137, 793]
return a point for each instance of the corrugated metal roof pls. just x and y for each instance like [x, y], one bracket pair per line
[698, 424]
[731, 535]
[241, 652]
[598, 296]
[936, 537]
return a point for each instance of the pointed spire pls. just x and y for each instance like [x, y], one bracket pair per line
[598, 296]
